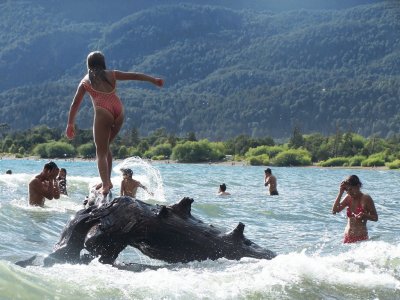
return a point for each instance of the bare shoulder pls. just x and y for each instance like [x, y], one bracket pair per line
[368, 199]
[34, 182]
[85, 79]
[110, 73]
[136, 182]
[118, 74]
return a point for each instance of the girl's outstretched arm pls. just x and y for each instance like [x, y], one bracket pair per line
[119, 75]
[76, 102]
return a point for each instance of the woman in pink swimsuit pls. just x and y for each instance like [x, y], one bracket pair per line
[101, 83]
[360, 209]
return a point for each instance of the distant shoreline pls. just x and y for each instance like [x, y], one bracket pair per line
[168, 161]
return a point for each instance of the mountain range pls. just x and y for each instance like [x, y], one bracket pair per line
[254, 67]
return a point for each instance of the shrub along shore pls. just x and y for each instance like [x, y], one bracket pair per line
[343, 149]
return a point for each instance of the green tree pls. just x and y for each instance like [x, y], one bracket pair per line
[296, 140]
[87, 150]
[59, 150]
[317, 145]
[123, 152]
[40, 150]
[7, 144]
[143, 146]
[4, 128]
[200, 151]
[191, 136]
[293, 157]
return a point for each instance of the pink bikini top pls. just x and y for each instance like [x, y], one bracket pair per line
[351, 214]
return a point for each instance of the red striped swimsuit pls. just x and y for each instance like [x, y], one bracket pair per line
[105, 100]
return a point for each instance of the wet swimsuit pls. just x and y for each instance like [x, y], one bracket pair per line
[351, 214]
[353, 239]
[108, 101]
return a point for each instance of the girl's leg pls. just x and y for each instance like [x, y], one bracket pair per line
[109, 161]
[114, 132]
[103, 122]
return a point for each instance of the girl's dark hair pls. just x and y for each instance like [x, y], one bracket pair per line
[353, 180]
[96, 65]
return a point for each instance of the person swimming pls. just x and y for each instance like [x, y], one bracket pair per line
[222, 190]
[360, 209]
[129, 185]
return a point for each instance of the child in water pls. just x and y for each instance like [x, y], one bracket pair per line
[129, 185]
[101, 84]
[62, 181]
[222, 190]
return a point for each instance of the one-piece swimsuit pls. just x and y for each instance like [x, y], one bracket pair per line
[105, 100]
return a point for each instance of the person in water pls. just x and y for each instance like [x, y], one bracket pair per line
[270, 180]
[222, 190]
[44, 186]
[101, 85]
[129, 185]
[62, 181]
[360, 209]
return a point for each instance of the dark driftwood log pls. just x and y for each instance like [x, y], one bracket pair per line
[168, 233]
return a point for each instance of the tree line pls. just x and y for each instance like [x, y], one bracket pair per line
[227, 71]
[340, 149]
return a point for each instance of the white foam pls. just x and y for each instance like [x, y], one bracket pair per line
[148, 175]
[223, 279]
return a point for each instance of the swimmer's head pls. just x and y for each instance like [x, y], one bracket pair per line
[222, 187]
[96, 60]
[353, 180]
[63, 172]
[127, 172]
[51, 166]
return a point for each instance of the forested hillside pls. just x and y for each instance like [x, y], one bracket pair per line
[230, 67]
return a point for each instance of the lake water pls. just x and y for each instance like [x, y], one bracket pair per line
[312, 262]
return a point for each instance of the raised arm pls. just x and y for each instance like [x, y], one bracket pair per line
[337, 205]
[53, 188]
[76, 102]
[50, 190]
[119, 75]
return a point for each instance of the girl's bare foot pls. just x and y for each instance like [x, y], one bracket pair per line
[105, 190]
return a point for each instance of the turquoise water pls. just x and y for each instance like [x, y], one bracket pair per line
[312, 262]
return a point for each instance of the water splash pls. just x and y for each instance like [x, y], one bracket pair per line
[148, 175]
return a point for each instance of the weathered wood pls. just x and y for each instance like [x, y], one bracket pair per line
[167, 233]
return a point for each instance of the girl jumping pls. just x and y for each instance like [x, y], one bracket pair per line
[101, 83]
